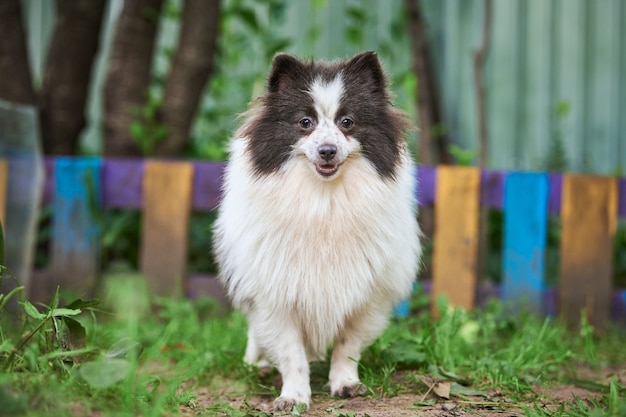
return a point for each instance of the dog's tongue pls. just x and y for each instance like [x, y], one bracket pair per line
[326, 169]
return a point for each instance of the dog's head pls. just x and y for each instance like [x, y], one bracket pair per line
[323, 114]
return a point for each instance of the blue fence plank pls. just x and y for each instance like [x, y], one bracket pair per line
[525, 224]
[76, 234]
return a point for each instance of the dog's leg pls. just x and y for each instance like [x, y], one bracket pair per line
[358, 333]
[254, 354]
[289, 354]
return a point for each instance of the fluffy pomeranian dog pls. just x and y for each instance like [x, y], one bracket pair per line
[317, 237]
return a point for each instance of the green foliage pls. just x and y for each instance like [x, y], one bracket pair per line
[357, 18]
[247, 43]
[556, 158]
[1, 245]
[51, 339]
[138, 359]
[619, 258]
[145, 129]
[463, 157]
[120, 238]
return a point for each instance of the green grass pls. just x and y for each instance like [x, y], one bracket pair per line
[126, 357]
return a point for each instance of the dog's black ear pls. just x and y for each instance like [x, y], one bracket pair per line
[285, 68]
[366, 67]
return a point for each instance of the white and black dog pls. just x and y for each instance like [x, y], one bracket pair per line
[317, 237]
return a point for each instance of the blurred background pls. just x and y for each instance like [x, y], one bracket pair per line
[168, 77]
[507, 84]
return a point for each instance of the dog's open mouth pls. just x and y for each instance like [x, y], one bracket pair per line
[327, 170]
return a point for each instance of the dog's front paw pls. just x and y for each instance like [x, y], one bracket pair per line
[287, 404]
[348, 390]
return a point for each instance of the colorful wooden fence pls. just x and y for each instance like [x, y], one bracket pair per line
[168, 191]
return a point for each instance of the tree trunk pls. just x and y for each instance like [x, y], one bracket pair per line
[480, 54]
[15, 81]
[128, 77]
[191, 70]
[430, 115]
[68, 74]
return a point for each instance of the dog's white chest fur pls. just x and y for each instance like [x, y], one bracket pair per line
[316, 251]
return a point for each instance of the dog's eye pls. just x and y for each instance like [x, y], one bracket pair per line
[306, 123]
[347, 123]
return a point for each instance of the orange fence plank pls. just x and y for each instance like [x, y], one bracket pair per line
[167, 193]
[589, 220]
[4, 178]
[456, 235]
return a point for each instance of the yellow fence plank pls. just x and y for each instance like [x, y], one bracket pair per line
[456, 235]
[589, 220]
[4, 178]
[167, 194]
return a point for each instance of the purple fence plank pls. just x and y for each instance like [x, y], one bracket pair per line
[622, 198]
[207, 185]
[618, 305]
[122, 183]
[492, 188]
[48, 183]
[555, 185]
[426, 176]
[550, 300]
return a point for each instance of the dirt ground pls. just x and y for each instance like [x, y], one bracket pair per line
[411, 402]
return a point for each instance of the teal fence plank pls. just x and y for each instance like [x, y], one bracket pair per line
[525, 224]
[75, 230]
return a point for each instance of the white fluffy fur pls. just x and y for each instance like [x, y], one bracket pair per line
[312, 261]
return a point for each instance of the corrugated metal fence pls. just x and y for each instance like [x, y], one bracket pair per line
[544, 55]
[555, 68]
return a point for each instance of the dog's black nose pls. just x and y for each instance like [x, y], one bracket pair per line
[327, 152]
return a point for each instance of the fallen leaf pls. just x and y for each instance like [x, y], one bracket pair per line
[458, 389]
[442, 389]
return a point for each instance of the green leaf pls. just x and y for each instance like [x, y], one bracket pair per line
[299, 409]
[81, 304]
[406, 353]
[1, 246]
[122, 348]
[319, 4]
[4, 298]
[458, 389]
[137, 131]
[589, 385]
[104, 373]
[562, 109]
[32, 311]
[71, 334]
[464, 157]
[356, 13]
[6, 346]
[63, 312]
[66, 354]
